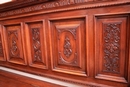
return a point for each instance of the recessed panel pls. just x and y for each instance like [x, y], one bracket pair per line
[38, 49]
[14, 44]
[111, 48]
[68, 55]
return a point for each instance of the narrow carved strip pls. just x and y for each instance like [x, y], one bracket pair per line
[67, 47]
[111, 47]
[36, 44]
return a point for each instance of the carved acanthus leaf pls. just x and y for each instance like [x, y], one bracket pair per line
[111, 47]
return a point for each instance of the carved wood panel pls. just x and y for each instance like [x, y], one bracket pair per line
[111, 48]
[68, 46]
[14, 44]
[1, 49]
[38, 54]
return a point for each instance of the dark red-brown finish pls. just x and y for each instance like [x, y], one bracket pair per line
[66, 38]
[12, 80]
[80, 41]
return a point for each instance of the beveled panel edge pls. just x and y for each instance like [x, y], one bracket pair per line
[50, 20]
[3, 45]
[111, 78]
[24, 62]
[28, 42]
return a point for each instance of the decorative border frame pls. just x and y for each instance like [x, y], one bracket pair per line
[24, 62]
[86, 29]
[107, 77]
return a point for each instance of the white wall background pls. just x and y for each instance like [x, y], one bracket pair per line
[4, 1]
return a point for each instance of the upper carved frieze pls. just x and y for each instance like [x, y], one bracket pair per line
[59, 3]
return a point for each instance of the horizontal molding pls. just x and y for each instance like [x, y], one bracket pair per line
[18, 4]
[54, 7]
[41, 78]
[53, 80]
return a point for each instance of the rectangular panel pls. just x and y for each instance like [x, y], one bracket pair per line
[14, 43]
[2, 57]
[38, 51]
[111, 48]
[68, 46]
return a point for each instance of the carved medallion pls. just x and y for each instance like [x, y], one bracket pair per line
[111, 47]
[13, 38]
[65, 55]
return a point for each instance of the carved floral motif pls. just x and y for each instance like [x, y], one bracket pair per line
[36, 44]
[67, 47]
[72, 31]
[111, 47]
[13, 38]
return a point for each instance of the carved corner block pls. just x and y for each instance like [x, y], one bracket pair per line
[68, 46]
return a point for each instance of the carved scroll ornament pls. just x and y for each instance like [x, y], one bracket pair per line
[111, 47]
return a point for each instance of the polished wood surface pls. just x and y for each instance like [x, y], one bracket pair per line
[81, 41]
[12, 80]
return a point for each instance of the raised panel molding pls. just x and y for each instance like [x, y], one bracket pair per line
[38, 52]
[2, 58]
[14, 43]
[68, 55]
[111, 48]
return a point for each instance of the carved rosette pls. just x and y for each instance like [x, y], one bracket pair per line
[13, 38]
[36, 44]
[111, 47]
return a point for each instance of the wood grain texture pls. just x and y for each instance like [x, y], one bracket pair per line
[79, 41]
[13, 80]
